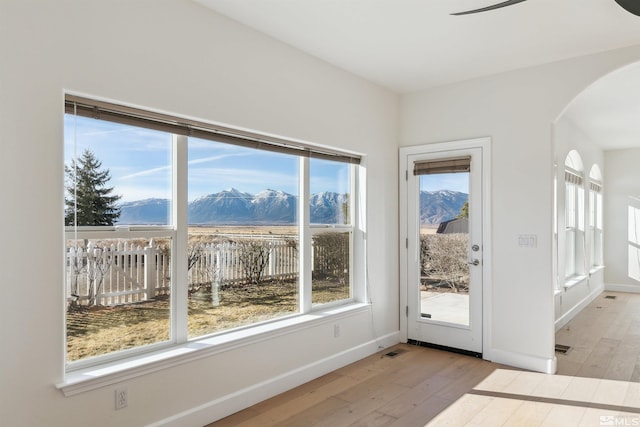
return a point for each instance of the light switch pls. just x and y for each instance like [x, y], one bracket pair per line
[527, 240]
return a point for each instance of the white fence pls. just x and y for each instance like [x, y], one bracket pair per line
[124, 273]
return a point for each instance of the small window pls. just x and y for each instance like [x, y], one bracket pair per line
[595, 217]
[574, 216]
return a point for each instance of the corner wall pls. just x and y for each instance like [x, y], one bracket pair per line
[178, 57]
[622, 232]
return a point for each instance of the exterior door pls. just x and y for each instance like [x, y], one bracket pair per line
[444, 245]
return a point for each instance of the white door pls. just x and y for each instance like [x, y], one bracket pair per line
[443, 225]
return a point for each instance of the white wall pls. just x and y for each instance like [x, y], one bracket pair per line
[179, 57]
[622, 174]
[569, 301]
[516, 109]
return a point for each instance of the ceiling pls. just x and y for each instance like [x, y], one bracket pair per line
[608, 111]
[412, 45]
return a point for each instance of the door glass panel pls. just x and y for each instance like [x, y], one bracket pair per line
[444, 247]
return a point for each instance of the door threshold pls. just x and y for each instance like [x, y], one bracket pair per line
[445, 348]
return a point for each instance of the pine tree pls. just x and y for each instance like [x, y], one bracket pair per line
[89, 200]
[464, 211]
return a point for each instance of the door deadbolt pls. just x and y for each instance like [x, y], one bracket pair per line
[475, 248]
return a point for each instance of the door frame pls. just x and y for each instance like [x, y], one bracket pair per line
[484, 144]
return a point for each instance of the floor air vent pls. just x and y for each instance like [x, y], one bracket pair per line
[395, 352]
[563, 349]
[610, 297]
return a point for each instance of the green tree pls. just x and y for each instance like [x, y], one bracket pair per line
[345, 209]
[89, 201]
[464, 210]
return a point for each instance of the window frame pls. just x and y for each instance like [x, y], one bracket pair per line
[177, 230]
[595, 225]
[574, 225]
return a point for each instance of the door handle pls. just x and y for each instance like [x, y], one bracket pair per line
[474, 262]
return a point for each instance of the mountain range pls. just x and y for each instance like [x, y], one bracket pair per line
[234, 207]
[440, 205]
[273, 207]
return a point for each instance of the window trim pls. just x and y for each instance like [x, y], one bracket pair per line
[96, 376]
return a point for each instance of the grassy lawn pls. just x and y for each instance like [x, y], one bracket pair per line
[93, 331]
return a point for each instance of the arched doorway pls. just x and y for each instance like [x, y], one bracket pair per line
[596, 253]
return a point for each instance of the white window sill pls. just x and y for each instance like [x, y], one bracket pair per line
[596, 269]
[95, 377]
[574, 281]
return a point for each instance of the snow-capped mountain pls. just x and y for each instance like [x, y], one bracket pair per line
[327, 208]
[273, 207]
[269, 207]
[226, 207]
[147, 211]
[441, 205]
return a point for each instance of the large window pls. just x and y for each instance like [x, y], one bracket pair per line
[176, 230]
[574, 217]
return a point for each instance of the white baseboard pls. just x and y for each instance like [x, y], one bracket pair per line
[241, 399]
[619, 287]
[524, 361]
[566, 318]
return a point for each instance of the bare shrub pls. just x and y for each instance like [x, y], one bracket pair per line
[444, 260]
[331, 256]
[254, 258]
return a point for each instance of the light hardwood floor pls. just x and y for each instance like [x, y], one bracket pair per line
[604, 339]
[596, 384]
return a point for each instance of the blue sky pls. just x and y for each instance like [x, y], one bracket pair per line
[139, 162]
[445, 181]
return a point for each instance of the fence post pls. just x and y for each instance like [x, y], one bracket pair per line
[91, 273]
[216, 279]
[150, 255]
[272, 257]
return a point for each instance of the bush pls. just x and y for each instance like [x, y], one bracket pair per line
[254, 258]
[444, 260]
[331, 256]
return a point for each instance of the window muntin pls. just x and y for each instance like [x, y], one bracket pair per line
[190, 160]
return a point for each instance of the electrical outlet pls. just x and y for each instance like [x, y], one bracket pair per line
[122, 397]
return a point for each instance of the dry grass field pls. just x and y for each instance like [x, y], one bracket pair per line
[259, 230]
[99, 330]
